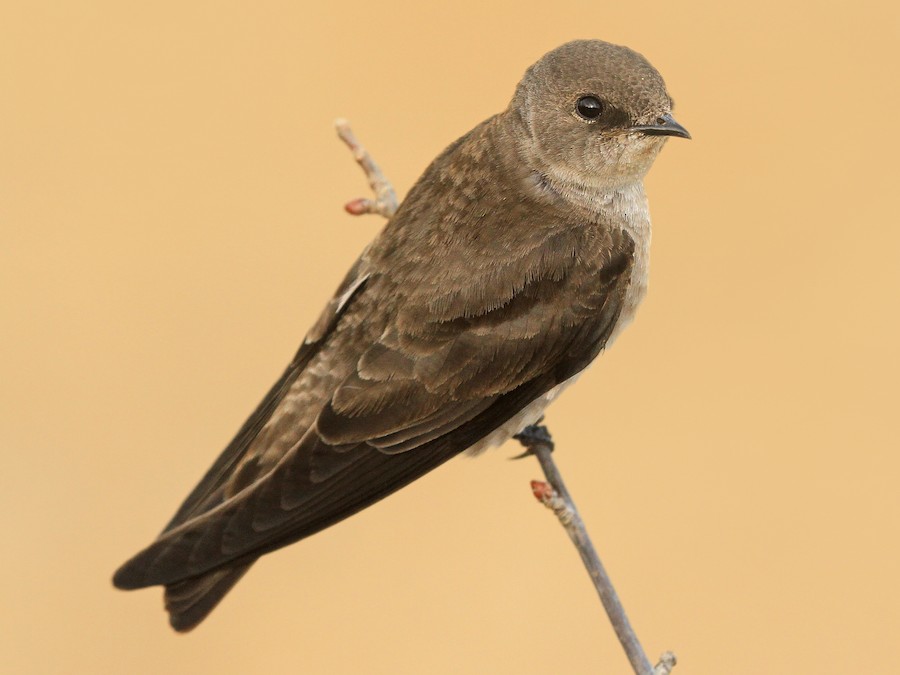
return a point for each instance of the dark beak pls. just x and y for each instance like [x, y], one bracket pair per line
[665, 126]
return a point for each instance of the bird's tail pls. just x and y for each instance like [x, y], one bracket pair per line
[189, 601]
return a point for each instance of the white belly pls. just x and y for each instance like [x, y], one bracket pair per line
[530, 414]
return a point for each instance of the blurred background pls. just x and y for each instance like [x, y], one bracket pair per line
[171, 224]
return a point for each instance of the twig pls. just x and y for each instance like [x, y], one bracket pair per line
[537, 442]
[385, 202]
[555, 496]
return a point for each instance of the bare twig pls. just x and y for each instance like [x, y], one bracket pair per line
[537, 442]
[555, 496]
[385, 202]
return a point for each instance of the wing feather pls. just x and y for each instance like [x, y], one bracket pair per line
[383, 426]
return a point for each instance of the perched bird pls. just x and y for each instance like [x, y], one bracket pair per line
[518, 256]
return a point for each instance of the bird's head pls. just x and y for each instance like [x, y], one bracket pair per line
[593, 113]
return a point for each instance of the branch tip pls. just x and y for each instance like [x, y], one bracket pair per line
[385, 202]
[358, 207]
[666, 662]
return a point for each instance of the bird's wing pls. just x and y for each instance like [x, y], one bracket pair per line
[426, 388]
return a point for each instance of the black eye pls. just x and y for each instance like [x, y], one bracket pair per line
[589, 107]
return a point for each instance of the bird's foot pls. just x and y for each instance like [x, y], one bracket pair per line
[533, 437]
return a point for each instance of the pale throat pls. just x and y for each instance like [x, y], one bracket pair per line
[620, 204]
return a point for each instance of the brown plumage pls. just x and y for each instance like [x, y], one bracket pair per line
[514, 259]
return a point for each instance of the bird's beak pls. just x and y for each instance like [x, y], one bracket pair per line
[665, 126]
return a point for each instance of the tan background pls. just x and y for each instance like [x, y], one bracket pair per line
[171, 223]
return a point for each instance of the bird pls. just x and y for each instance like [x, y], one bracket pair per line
[518, 256]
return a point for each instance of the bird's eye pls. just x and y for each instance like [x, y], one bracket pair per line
[589, 107]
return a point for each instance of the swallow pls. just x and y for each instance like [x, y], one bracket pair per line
[518, 256]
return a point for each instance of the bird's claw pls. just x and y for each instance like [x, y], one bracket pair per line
[532, 437]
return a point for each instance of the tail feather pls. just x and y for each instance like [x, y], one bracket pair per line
[190, 601]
